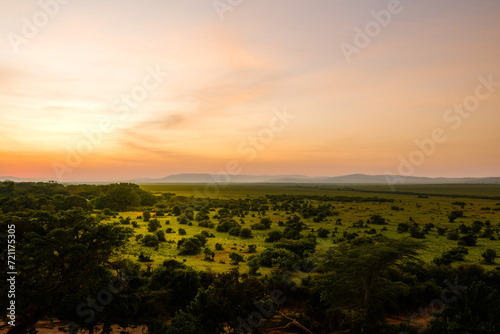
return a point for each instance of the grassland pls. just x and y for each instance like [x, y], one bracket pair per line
[422, 203]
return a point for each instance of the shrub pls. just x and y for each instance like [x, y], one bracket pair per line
[323, 232]
[274, 236]
[252, 249]
[280, 257]
[454, 215]
[258, 226]
[182, 231]
[143, 258]
[489, 256]
[266, 222]
[403, 227]
[219, 247]
[235, 231]
[153, 225]
[236, 258]
[377, 220]
[150, 240]
[468, 240]
[161, 236]
[245, 233]
[146, 215]
[189, 246]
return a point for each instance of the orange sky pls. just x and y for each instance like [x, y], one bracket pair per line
[228, 78]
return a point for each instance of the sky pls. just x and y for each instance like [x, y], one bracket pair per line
[121, 89]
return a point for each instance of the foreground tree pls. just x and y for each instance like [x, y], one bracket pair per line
[62, 259]
[354, 283]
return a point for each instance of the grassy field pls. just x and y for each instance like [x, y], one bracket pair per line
[423, 204]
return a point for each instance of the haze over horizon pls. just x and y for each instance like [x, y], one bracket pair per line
[276, 71]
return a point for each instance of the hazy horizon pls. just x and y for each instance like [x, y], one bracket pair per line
[151, 89]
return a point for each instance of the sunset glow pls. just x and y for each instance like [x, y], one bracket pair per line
[115, 90]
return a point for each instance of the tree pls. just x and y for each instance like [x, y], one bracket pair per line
[274, 236]
[355, 285]
[235, 231]
[252, 249]
[236, 258]
[454, 215]
[176, 211]
[377, 220]
[253, 264]
[146, 216]
[182, 231]
[189, 246]
[468, 240]
[65, 257]
[161, 236]
[476, 310]
[150, 240]
[460, 204]
[266, 222]
[209, 254]
[153, 225]
[489, 256]
[245, 233]
[323, 232]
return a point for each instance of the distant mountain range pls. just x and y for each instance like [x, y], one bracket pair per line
[345, 179]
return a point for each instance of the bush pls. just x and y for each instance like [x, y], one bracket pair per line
[252, 249]
[219, 247]
[161, 236]
[235, 231]
[468, 240]
[182, 231]
[206, 223]
[143, 258]
[274, 236]
[146, 215]
[189, 246]
[245, 233]
[441, 231]
[153, 225]
[236, 258]
[377, 220]
[280, 257]
[258, 226]
[266, 222]
[489, 256]
[403, 227]
[454, 215]
[150, 240]
[253, 265]
[323, 232]
[227, 225]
